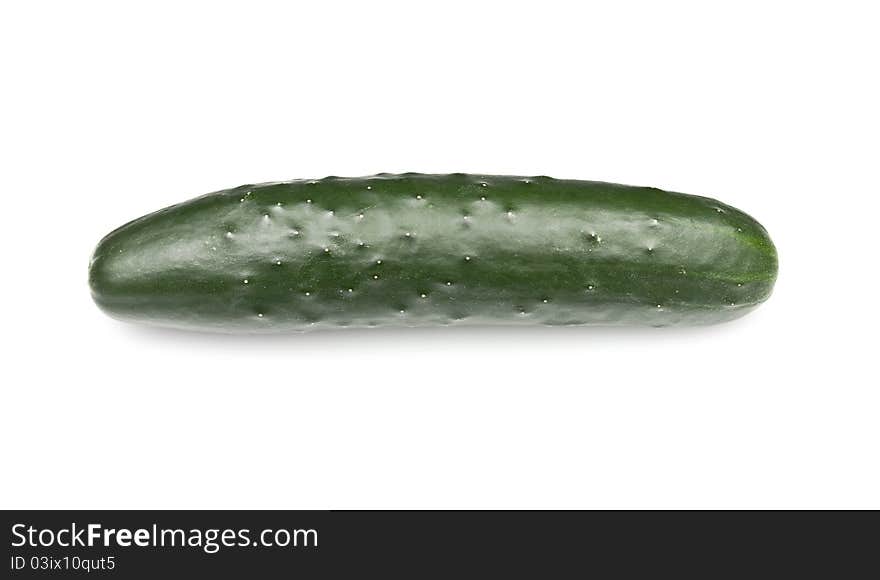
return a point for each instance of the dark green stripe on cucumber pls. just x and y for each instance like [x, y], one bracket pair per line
[414, 250]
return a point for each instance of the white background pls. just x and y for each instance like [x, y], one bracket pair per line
[114, 109]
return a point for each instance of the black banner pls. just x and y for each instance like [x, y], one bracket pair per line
[411, 544]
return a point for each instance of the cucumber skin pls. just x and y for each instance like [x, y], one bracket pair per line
[419, 250]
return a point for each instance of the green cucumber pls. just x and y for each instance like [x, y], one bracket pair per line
[414, 250]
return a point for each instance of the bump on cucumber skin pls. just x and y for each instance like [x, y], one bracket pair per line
[416, 250]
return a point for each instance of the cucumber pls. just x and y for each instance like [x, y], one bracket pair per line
[415, 250]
